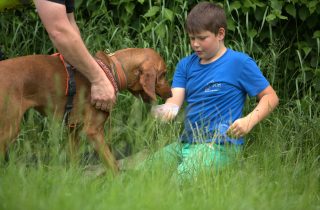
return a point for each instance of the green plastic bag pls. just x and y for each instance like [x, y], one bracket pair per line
[8, 5]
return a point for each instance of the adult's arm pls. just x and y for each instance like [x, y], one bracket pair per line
[67, 40]
[73, 22]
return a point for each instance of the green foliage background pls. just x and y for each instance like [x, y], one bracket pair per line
[282, 36]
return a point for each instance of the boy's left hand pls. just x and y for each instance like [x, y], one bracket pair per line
[239, 128]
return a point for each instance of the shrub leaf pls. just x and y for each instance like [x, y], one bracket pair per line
[291, 10]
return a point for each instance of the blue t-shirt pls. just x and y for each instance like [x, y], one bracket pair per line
[215, 93]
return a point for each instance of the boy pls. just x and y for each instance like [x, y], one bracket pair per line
[214, 80]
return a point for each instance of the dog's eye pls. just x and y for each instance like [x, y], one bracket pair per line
[164, 74]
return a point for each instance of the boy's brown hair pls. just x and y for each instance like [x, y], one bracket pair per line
[206, 16]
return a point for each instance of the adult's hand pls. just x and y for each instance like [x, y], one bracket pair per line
[102, 94]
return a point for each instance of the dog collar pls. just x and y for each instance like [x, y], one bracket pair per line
[120, 74]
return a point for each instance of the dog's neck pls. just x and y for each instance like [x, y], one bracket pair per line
[119, 73]
[131, 69]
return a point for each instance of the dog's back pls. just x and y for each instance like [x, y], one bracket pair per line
[29, 81]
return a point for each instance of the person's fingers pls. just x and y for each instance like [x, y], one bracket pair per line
[98, 105]
[164, 117]
[104, 106]
[232, 131]
[109, 105]
[103, 96]
[93, 101]
[101, 104]
[171, 116]
[237, 134]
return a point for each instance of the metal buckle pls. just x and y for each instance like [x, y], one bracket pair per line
[109, 53]
[72, 88]
[69, 106]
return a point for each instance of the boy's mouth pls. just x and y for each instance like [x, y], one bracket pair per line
[198, 52]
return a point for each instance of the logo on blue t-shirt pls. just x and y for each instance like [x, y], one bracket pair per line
[213, 86]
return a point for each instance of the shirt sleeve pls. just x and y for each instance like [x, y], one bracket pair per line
[180, 76]
[251, 79]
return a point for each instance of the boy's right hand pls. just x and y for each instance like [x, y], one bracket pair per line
[166, 112]
[165, 117]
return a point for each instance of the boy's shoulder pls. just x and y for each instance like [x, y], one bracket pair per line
[229, 54]
[236, 55]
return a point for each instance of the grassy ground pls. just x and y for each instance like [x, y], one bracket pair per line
[279, 168]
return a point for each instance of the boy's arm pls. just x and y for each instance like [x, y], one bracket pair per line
[177, 98]
[268, 100]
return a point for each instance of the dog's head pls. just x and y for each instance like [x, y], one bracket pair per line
[145, 70]
[152, 79]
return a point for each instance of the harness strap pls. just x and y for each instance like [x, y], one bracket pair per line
[121, 76]
[71, 87]
[70, 90]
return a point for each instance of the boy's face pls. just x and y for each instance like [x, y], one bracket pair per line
[207, 45]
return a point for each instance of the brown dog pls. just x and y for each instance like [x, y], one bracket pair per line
[31, 81]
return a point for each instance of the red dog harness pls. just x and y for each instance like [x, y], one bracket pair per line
[71, 84]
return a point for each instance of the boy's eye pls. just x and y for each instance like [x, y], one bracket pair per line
[201, 38]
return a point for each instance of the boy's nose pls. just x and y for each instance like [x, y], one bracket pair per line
[196, 44]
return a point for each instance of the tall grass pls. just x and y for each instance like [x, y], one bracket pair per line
[279, 167]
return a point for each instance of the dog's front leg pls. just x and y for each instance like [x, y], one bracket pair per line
[101, 148]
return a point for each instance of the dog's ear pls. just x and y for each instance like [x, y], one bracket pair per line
[148, 79]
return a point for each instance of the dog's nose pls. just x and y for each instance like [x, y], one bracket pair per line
[170, 95]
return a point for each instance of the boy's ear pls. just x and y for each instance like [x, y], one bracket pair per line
[221, 34]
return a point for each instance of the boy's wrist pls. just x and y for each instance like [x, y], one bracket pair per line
[251, 121]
